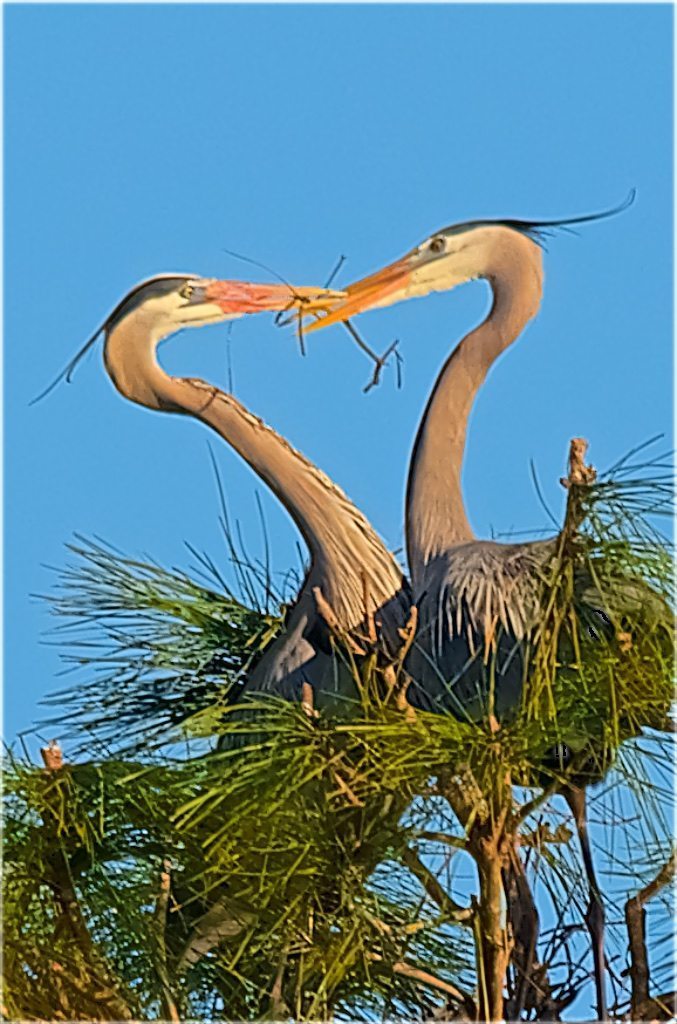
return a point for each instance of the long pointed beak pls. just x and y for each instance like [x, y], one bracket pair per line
[239, 297]
[378, 289]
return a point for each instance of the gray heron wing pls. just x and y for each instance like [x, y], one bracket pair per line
[478, 604]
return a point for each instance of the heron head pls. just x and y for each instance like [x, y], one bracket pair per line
[447, 258]
[170, 302]
[450, 257]
[166, 303]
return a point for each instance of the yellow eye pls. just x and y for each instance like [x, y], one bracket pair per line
[186, 291]
[437, 245]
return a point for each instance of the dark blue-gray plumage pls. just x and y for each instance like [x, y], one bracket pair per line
[477, 601]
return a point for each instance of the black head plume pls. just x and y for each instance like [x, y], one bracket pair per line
[67, 373]
[159, 284]
[539, 230]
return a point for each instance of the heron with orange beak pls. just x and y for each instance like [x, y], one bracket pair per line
[477, 600]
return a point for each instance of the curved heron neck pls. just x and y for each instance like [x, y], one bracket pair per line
[436, 517]
[343, 545]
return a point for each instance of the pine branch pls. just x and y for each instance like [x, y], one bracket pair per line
[422, 977]
[452, 910]
[102, 987]
[635, 920]
[159, 928]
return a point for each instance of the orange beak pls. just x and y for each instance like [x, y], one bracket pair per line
[365, 294]
[239, 297]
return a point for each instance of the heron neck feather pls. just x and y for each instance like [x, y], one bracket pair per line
[436, 517]
[346, 552]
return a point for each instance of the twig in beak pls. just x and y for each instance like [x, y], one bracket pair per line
[339, 263]
[380, 361]
[299, 331]
[297, 315]
[229, 355]
[399, 363]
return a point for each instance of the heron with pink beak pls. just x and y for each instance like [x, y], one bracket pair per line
[353, 585]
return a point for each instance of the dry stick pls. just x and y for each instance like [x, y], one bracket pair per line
[426, 978]
[159, 929]
[379, 361]
[635, 920]
[579, 479]
[346, 790]
[329, 616]
[393, 672]
[52, 755]
[580, 476]
[408, 633]
[407, 929]
[368, 610]
[442, 837]
[395, 678]
[278, 1007]
[308, 700]
[432, 886]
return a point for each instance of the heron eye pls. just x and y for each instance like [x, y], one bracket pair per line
[437, 245]
[186, 291]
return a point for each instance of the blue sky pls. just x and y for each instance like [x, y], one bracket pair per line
[142, 139]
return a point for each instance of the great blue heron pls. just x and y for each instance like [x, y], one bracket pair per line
[352, 576]
[473, 596]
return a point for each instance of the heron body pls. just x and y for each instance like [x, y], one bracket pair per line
[477, 600]
[471, 595]
[351, 571]
[477, 604]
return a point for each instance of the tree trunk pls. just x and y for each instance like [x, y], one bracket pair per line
[493, 943]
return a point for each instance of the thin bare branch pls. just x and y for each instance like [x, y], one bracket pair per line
[454, 911]
[159, 929]
[635, 920]
[431, 980]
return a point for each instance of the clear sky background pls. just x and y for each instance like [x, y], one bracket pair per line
[144, 139]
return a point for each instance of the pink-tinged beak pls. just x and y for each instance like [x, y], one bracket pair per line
[240, 297]
[365, 294]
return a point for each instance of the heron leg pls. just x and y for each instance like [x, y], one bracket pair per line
[594, 916]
